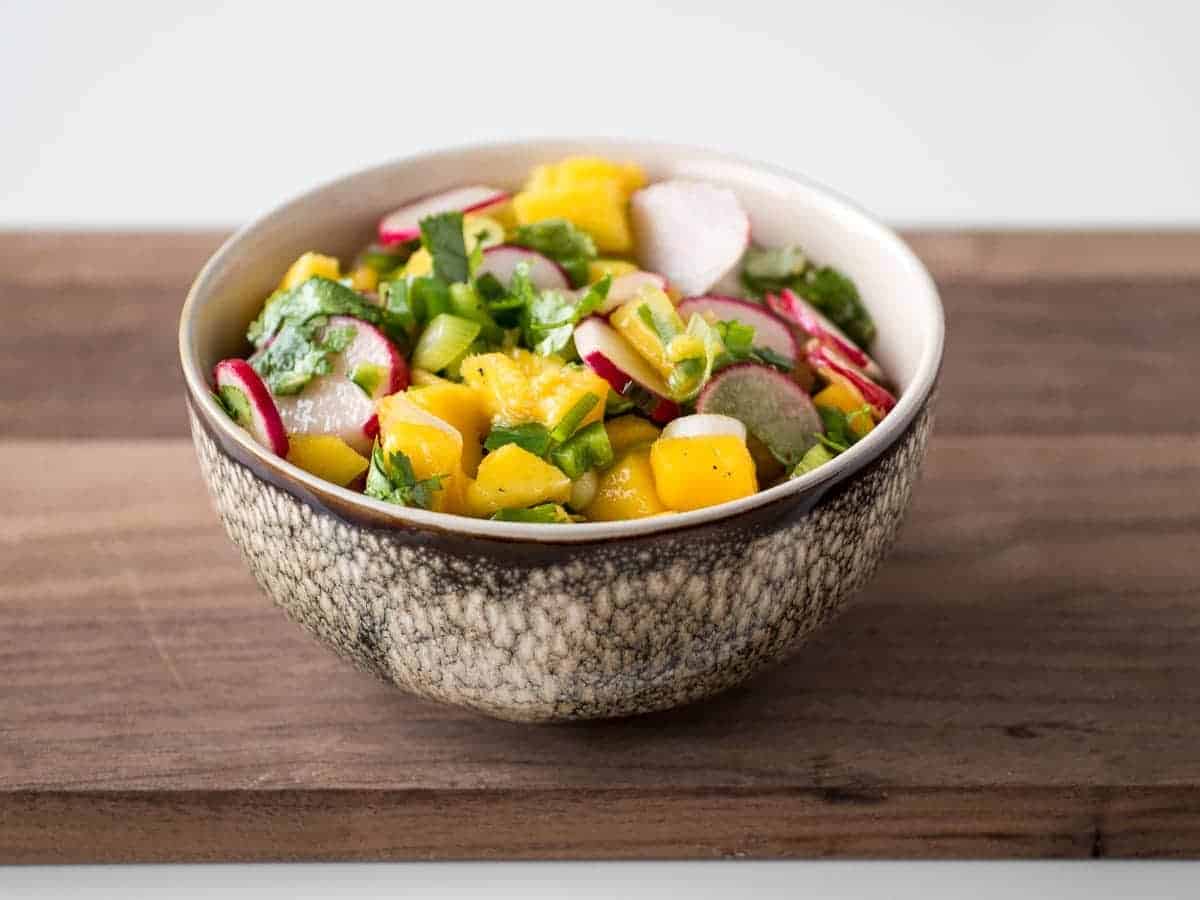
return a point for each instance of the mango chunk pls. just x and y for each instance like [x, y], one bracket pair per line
[694, 472]
[626, 490]
[461, 408]
[592, 193]
[502, 385]
[326, 456]
[626, 432]
[513, 478]
[651, 333]
[306, 267]
[598, 268]
[845, 396]
[433, 446]
[520, 387]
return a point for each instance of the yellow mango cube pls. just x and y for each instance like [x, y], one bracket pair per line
[592, 193]
[513, 478]
[326, 456]
[598, 268]
[558, 391]
[364, 278]
[306, 267]
[420, 263]
[626, 490]
[625, 432]
[502, 386]
[845, 396]
[433, 446]
[579, 169]
[643, 337]
[694, 472]
[462, 408]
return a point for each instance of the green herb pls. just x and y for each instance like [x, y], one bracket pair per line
[387, 258]
[560, 240]
[838, 436]
[233, 402]
[315, 297]
[549, 318]
[531, 436]
[442, 236]
[298, 354]
[466, 303]
[390, 478]
[544, 514]
[368, 376]
[335, 340]
[570, 422]
[589, 448]
[689, 375]
[738, 339]
[771, 358]
[816, 455]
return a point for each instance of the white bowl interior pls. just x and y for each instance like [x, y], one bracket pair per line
[340, 217]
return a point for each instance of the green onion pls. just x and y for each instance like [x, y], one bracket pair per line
[531, 436]
[615, 404]
[544, 514]
[575, 415]
[588, 449]
[444, 341]
[663, 329]
[817, 455]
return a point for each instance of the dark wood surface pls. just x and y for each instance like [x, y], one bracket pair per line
[1021, 679]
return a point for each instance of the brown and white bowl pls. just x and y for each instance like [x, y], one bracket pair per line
[552, 622]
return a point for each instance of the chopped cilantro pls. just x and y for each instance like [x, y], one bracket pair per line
[531, 436]
[543, 514]
[390, 478]
[442, 236]
[549, 318]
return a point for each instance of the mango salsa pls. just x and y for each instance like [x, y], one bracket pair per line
[846, 397]
[626, 490]
[694, 472]
[326, 456]
[513, 478]
[463, 409]
[625, 432]
[306, 267]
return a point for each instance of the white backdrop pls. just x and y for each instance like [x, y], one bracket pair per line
[927, 112]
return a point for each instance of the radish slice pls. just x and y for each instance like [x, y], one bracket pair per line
[370, 359]
[610, 356]
[332, 404]
[404, 224]
[544, 272]
[771, 405]
[626, 287]
[249, 401]
[769, 331]
[691, 232]
[705, 425]
[809, 319]
[831, 365]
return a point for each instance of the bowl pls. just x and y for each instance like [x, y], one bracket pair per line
[550, 622]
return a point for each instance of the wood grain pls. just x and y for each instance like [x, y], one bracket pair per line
[1019, 680]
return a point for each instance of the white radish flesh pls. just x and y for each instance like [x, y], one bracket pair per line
[691, 232]
[626, 287]
[544, 272]
[705, 425]
[769, 330]
[331, 404]
[370, 347]
[611, 357]
[404, 224]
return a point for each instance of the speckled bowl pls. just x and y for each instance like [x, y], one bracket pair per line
[551, 622]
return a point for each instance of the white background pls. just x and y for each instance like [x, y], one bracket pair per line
[1021, 112]
[933, 113]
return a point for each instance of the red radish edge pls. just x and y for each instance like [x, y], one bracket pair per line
[242, 376]
[824, 360]
[399, 233]
[663, 409]
[808, 318]
[752, 314]
[560, 281]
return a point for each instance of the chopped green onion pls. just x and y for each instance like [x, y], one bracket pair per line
[234, 402]
[543, 514]
[664, 330]
[817, 455]
[615, 404]
[588, 449]
[574, 416]
[531, 436]
[445, 340]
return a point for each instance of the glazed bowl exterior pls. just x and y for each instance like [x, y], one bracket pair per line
[551, 622]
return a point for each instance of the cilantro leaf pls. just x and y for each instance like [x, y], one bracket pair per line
[543, 514]
[563, 242]
[442, 236]
[549, 318]
[738, 339]
[315, 297]
[531, 436]
[390, 478]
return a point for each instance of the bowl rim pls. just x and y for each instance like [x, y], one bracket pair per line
[883, 436]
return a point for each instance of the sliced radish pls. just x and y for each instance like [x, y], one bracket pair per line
[250, 403]
[809, 319]
[332, 404]
[370, 359]
[770, 404]
[832, 366]
[691, 232]
[705, 425]
[769, 331]
[544, 272]
[610, 356]
[626, 287]
[404, 224]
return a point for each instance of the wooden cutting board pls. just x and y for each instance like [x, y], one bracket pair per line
[1021, 679]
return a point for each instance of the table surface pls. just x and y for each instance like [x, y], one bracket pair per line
[1020, 679]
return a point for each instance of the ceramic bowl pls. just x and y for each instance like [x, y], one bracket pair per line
[550, 622]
